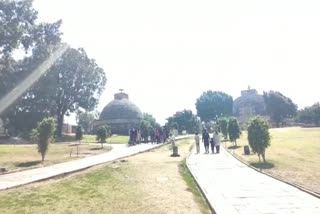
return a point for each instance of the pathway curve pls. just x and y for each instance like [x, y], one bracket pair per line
[28, 176]
[233, 188]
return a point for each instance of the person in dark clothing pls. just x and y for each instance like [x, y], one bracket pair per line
[212, 145]
[205, 139]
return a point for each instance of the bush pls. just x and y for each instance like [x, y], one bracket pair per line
[44, 135]
[102, 134]
[223, 127]
[258, 136]
[233, 130]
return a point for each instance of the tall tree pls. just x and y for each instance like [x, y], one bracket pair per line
[20, 32]
[279, 107]
[258, 136]
[185, 120]
[75, 81]
[212, 105]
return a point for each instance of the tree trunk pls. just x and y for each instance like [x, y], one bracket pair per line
[263, 157]
[60, 125]
[42, 157]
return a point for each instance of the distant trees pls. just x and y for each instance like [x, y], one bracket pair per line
[258, 136]
[279, 107]
[212, 105]
[234, 131]
[102, 134]
[185, 120]
[44, 135]
[310, 115]
[85, 120]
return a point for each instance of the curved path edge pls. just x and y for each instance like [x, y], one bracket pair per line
[232, 187]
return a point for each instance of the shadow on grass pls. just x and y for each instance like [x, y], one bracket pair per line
[261, 165]
[234, 147]
[28, 164]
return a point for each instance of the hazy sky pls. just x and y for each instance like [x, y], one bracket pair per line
[166, 53]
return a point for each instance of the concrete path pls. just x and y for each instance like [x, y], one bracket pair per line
[28, 176]
[233, 188]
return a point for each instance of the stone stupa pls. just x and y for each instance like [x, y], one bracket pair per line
[120, 114]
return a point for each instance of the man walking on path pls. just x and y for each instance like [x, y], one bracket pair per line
[197, 140]
[205, 139]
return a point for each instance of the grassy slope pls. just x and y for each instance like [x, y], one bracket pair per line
[17, 157]
[294, 155]
[135, 186]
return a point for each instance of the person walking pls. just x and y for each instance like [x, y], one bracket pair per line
[212, 143]
[205, 139]
[216, 138]
[197, 140]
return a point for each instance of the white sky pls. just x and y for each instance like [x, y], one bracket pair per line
[166, 53]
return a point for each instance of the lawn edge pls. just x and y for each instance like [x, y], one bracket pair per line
[197, 183]
[315, 194]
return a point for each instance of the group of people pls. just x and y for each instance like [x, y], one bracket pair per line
[153, 135]
[214, 142]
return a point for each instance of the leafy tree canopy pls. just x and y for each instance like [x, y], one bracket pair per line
[185, 120]
[212, 105]
[279, 107]
[234, 131]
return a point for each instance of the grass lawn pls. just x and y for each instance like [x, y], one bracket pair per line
[116, 139]
[18, 157]
[294, 155]
[151, 182]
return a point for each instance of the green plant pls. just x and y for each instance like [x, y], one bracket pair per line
[223, 127]
[102, 134]
[258, 136]
[44, 135]
[234, 131]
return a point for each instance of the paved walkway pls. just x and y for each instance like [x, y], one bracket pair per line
[233, 188]
[28, 176]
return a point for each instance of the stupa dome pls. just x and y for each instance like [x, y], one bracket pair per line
[121, 114]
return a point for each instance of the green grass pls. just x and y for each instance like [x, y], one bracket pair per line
[120, 187]
[17, 157]
[116, 139]
[294, 155]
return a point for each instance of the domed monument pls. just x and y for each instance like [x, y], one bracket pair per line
[120, 114]
[248, 105]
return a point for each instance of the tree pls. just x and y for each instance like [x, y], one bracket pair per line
[85, 120]
[212, 105]
[151, 120]
[223, 126]
[44, 135]
[74, 81]
[310, 115]
[279, 107]
[233, 130]
[102, 134]
[185, 120]
[258, 136]
[145, 126]
[19, 31]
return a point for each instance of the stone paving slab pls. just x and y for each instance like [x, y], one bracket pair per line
[231, 187]
[28, 176]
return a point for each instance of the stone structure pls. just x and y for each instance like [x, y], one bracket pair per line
[248, 105]
[120, 114]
